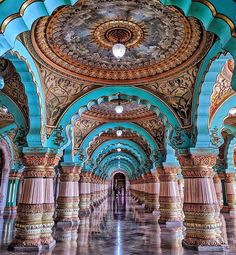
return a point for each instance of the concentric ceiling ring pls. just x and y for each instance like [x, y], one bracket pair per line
[108, 33]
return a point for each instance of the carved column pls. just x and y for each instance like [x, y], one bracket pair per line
[36, 207]
[152, 189]
[169, 199]
[218, 189]
[85, 193]
[93, 191]
[13, 187]
[201, 207]
[230, 192]
[68, 197]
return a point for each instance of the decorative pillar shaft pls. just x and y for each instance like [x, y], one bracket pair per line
[218, 189]
[68, 197]
[85, 193]
[230, 192]
[201, 207]
[169, 199]
[36, 206]
[13, 187]
[152, 189]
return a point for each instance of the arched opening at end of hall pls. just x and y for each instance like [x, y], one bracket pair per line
[119, 185]
[4, 172]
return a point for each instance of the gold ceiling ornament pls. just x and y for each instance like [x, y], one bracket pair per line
[127, 32]
[66, 42]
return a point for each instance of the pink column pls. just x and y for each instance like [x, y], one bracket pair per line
[152, 189]
[201, 207]
[218, 189]
[68, 197]
[36, 205]
[230, 187]
[85, 192]
[169, 199]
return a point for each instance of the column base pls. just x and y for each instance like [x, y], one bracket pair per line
[205, 248]
[69, 223]
[172, 224]
[232, 213]
[49, 246]
[25, 246]
[10, 212]
[84, 212]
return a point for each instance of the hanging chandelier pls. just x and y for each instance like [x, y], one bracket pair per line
[118, 50]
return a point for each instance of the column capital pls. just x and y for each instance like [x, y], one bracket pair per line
[69, 172]
[40, 162]
[85, 177]
[229, 177]
[151, 177]
[15, 175]
[198, 162]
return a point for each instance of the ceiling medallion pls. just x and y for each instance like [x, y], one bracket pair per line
[161, 42]
[129, 33]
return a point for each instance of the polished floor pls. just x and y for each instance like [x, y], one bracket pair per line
[119, 227]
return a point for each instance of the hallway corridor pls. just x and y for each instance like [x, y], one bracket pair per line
[119, 227]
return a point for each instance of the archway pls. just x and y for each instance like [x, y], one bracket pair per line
[119, 185]
[5, 161]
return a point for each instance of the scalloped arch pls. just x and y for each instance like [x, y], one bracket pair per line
[126, 125]
[126, 144]
[204, 98]
[20, 17]
[230, 156]
[28, 72]
[125, 165]
[106, 94]
[221, 113]
[212, 22]
[118, 157]
[13, 108]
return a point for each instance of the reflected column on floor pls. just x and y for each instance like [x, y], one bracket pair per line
[201, 209]
[170, 201]
[36, 207]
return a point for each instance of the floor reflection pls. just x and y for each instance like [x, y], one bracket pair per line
[121, 227]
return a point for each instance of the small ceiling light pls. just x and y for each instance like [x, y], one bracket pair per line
[118, 50]
[119, 132]
[119, 108]
[232, 112]
[3, 109]
[119, 149]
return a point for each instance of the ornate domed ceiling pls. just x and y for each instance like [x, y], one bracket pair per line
[132, 112]
[105, 112]
[160, 41]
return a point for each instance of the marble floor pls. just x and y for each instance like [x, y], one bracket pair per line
[119, 227]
